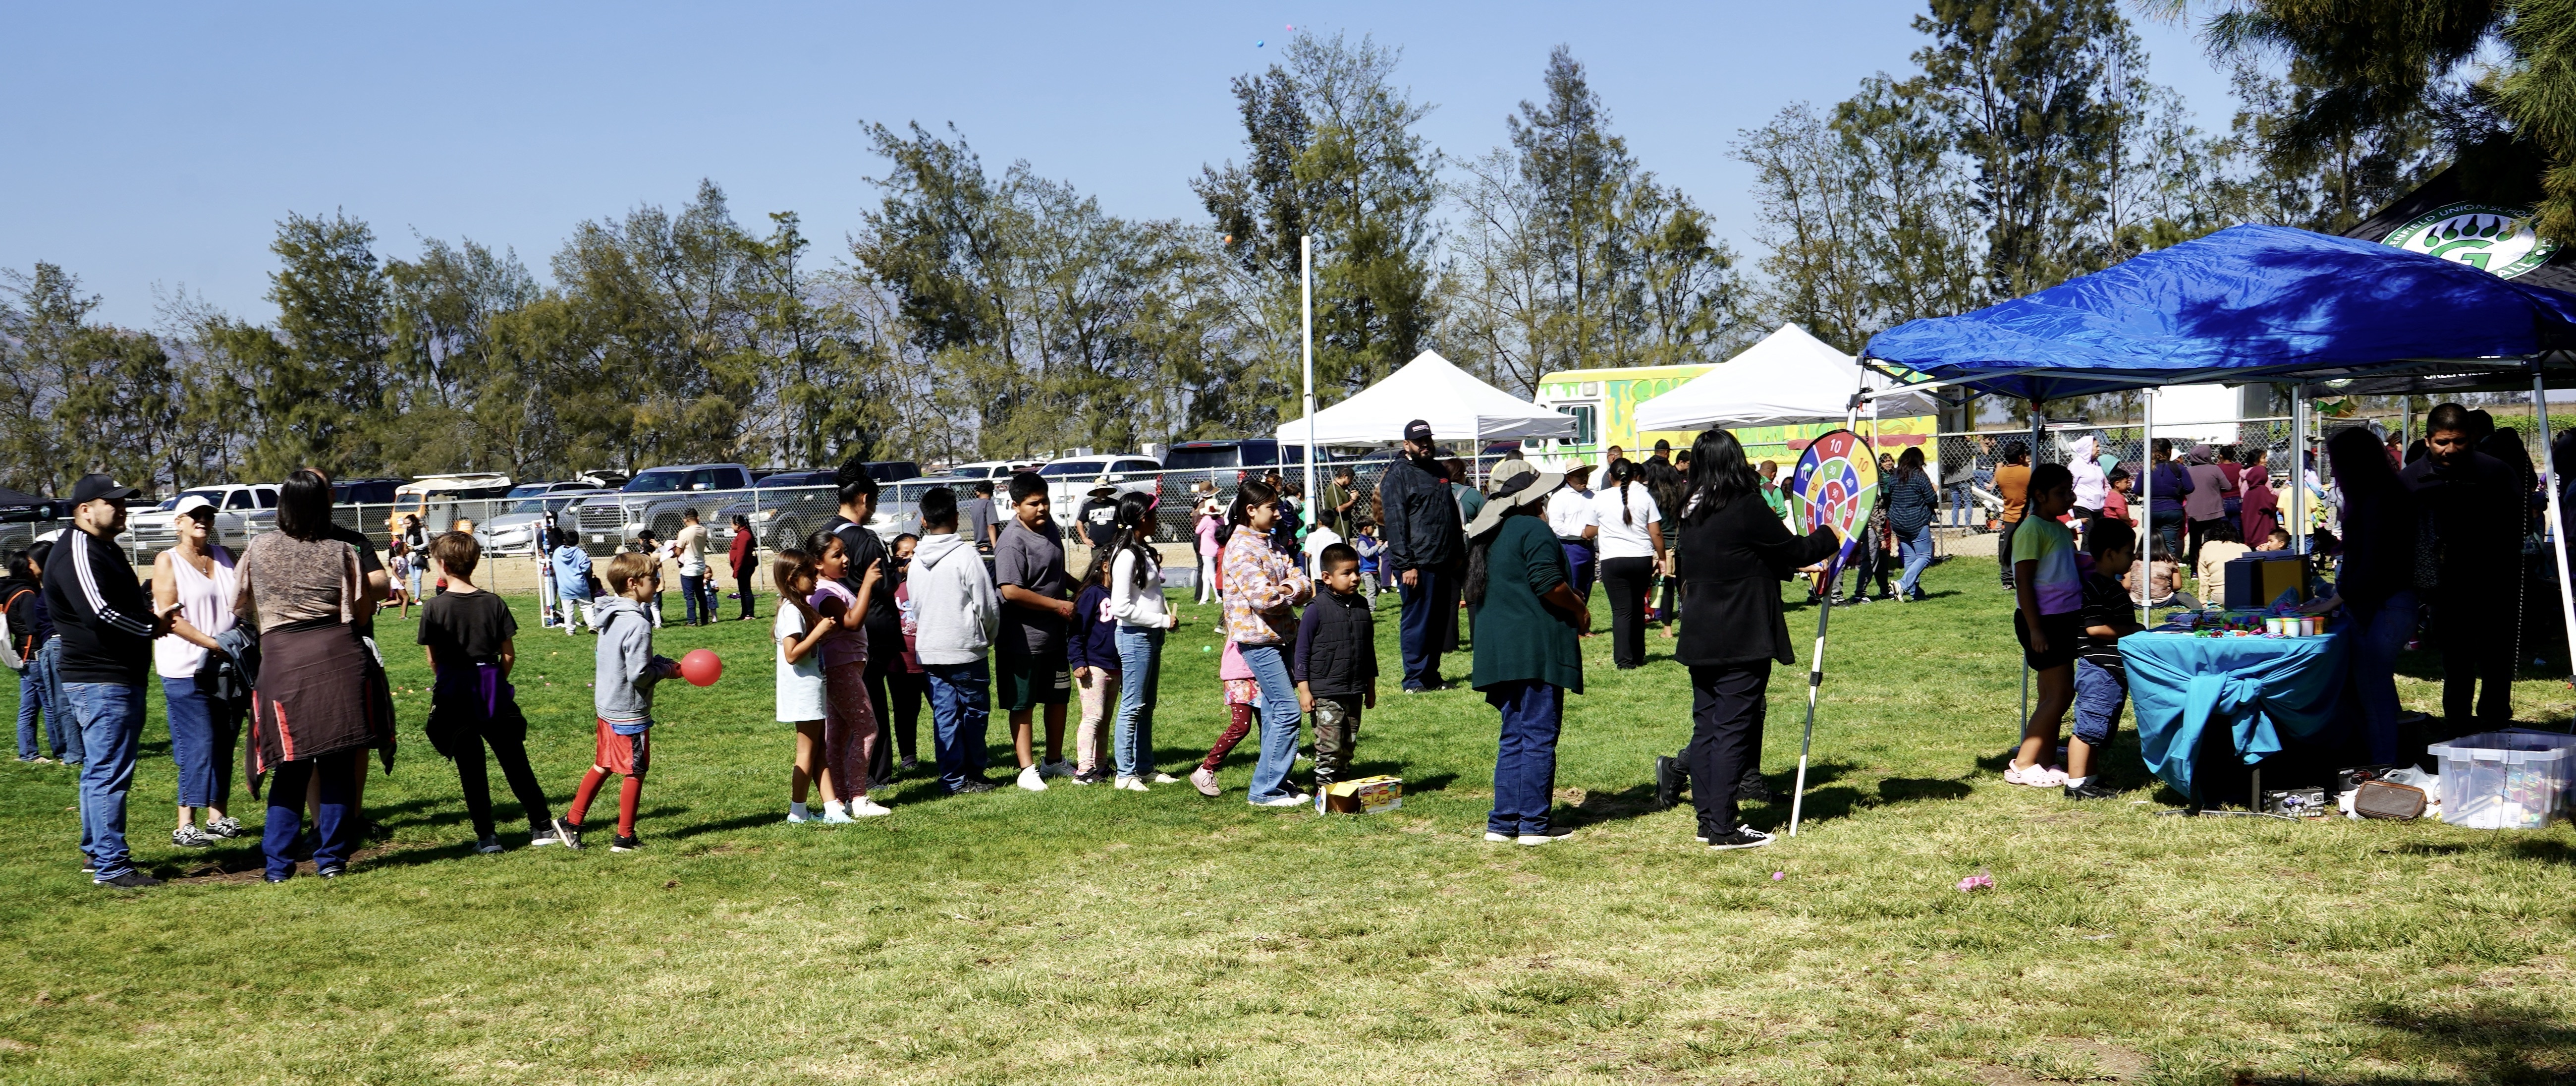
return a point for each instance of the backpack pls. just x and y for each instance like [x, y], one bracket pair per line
[9, 657]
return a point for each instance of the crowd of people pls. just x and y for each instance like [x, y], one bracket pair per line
[981, 612]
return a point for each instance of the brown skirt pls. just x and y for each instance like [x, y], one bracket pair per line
[316, 696]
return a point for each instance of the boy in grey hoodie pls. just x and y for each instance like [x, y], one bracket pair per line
[622, 691]
[958, 614]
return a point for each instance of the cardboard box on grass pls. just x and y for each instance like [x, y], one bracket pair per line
[1367, 795]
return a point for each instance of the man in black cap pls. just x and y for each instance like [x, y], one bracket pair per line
[106, 625]
[1426, 544]
[1663, 451]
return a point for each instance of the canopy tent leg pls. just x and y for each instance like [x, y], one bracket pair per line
[2557, 534]
[1306, 307]
[2300, 530]
[2146, 546]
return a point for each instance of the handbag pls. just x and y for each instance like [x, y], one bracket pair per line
[2383, 799]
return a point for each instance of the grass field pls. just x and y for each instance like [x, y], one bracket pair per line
[1085, 935]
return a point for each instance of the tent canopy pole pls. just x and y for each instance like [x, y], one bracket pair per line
[2557, 534]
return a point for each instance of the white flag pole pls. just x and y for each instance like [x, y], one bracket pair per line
[1306, 290]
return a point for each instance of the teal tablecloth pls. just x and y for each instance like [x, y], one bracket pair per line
[2256, 687]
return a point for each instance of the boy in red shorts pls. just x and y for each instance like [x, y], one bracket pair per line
[622, 690]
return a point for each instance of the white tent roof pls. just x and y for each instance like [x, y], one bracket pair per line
[1459, 408]
[1788, 378]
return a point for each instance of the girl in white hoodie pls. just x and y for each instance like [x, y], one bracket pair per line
[1136, 601]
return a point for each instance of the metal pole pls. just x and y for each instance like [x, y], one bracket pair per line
[2299, 468]
[2557, 532]
[1815, 680]
[2146, 560]
[1306, 290]
[2037, 429]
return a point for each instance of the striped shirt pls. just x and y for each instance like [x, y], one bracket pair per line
[99, 611]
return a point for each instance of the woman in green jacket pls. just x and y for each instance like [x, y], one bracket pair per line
[1527, 617]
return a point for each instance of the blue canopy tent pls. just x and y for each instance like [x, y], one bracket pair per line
[2253, 304]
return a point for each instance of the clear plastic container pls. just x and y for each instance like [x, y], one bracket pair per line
[2567, 800]
[2505, 780]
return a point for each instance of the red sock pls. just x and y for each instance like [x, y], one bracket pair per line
[581, 796]
[626, 794]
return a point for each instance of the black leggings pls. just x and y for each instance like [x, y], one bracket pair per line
[742, 588]
[1627, 580]
[907, 689]
[1727, 705]
[512, 753]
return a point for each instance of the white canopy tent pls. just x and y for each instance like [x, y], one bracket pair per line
[1788, 379]
[1458, 406]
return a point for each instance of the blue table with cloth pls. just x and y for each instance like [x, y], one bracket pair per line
[2265, 692]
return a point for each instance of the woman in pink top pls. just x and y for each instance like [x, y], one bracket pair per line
[849, 722]
[1205, 518]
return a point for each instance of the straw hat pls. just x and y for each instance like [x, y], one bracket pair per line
[1516, 484]
[1101, 488]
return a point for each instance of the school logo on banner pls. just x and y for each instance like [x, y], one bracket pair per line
[2497, 239]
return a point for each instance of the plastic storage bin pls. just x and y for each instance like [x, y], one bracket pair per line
[2567, 797]
[2504, 780]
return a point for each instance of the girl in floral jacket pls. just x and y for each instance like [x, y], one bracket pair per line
[1263, 586]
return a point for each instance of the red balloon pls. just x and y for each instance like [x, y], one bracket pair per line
[702, 667]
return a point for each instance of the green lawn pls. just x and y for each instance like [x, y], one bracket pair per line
[1085, 935]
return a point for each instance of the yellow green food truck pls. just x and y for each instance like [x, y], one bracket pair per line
[1604, 404]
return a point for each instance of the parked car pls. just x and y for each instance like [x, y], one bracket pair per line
[994, 470]
[783, 507]
[578, 482]
[235, 505]
[655, 498]
[434, 498]
[1069, 482]
[365, 491]
[514, 530]
[1231, 461]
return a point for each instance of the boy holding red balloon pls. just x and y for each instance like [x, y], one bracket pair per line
[622, 692]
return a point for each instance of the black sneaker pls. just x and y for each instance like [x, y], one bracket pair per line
[542, 835]
[332, 872]
[2092, 789]
[971, 788]
[1743, 837]
[1669, 778]
[568, 832]
[131, 880]
[623, 843]
[1753, 789]
[487, 846]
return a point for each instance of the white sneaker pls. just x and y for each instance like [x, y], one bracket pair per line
[2037, 776]
[1533, 839]
[1497, 838]
[799, 817]
[835, 813]
[1131, 784]
[1290, 800]
[1061, 767]
[1165, 778]
[1032, 779]
[868, 808]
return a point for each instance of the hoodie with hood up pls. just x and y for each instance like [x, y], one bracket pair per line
[622, 684]
[958, 612]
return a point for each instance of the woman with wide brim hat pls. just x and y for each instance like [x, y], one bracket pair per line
[1528, 619]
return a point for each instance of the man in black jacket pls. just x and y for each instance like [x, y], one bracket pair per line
[2475, 503]
[106, 625]
[1426, 543]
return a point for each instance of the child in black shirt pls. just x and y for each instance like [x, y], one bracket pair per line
[468, 635]
[2101, 680]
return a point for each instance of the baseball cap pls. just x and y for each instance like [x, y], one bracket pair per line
[189, 505]
[1418, 431]
[100, 488]
[1663, 445]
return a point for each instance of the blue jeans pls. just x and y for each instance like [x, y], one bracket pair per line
[1525, 760]
[1963, 503]
[334, 818]
[31, 711]
[2379, 634]
[201, 743]
[1280, 719]
[1916, 552]
[691, 590]
[2097, 704]
[59, 728]
[110, 716]
[961, 703]
[1578, 558]
[1430, 607]
[2168, 526]
[1140, 680]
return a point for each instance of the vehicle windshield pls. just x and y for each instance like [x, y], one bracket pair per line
[659, 482]
[533, 505]
[1072, 467]
[1212, 456]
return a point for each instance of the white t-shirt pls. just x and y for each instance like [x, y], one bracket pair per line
[1624, 536]
[800, 684]
[1569, 512]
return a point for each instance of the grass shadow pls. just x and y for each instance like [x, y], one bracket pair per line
[2495, 1041]
[738, 822]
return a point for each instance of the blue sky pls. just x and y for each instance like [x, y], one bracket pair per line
[159, 143]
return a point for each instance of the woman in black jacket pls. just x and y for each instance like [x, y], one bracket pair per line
[1734, 556]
